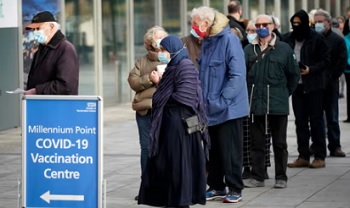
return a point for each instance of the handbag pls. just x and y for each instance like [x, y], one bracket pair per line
[193, 125]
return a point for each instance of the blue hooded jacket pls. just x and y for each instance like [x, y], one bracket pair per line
[222, 72]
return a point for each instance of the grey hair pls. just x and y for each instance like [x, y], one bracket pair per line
[55, 24]
[149, 40]
[204, 13]
[321, 12]
[266, 16]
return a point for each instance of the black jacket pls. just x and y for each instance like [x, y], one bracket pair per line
[339, 56]
[315, 54]
[238, 27]
[55, 68]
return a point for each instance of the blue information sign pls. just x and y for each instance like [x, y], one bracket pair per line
[62, 151]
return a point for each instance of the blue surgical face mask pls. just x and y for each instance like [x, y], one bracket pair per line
[251, 37]
[319, 27]
[262, 32]
[158, 43]
[162, 58]
[194, 33]
[39, 36]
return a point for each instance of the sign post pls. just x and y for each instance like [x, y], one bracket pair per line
[62, 151]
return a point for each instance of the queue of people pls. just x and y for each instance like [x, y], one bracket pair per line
[223, 100]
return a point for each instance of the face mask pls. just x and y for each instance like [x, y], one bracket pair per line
[263, 32]
[158, 43]
[194, 33]
[39, 36]
[162, 58]
[251, 37]
[199, 32]
[319, 27]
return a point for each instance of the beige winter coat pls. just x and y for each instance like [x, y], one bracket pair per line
[139, 82]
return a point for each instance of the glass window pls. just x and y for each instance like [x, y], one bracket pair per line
[171, 17]
[114, 52]
[79, 30]
[285, 23]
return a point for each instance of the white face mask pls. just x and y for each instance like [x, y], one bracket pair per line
[40, 36]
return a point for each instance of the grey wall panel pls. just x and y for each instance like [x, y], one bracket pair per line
[9, 78]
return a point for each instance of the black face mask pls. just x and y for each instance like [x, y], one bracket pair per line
[298, 32]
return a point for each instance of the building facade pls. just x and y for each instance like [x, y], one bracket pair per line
[108, 35]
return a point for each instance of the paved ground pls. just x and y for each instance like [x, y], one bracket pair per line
[307, 188]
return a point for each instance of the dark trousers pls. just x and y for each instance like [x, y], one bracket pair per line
[278, 128]
[144, 126]
[225, 156]
[331, 108]
[347, 78]
[308, 108]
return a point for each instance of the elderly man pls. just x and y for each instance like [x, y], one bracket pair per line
[273, 75]
[323, 25]
[55, 66]
[312, 52]
[223, 76]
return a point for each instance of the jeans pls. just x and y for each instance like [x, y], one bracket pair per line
[331, 109]
[144, 126]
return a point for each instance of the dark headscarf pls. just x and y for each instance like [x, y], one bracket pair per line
[179, 82]
[302, 31]
[175, 47]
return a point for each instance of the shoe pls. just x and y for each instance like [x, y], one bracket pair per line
[136, 198]
[317, 163]
[279, 184]
[232, 197]
[212, 194]
[266, 175]
[298, 163]
[252, 183]
[246, 173]
[338, 153]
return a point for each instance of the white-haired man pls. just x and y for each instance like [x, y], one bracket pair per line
[222, 73]
[55, 66]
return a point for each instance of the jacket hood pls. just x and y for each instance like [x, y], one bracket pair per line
[220, 22]
[301, 31]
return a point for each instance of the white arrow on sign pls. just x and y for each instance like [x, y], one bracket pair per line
[54, 197]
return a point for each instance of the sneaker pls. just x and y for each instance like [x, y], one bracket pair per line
[280, 184]
[232, 197]
[215, 194]
[298, 163]
[317, 163]
[338, 153]
[252, 183]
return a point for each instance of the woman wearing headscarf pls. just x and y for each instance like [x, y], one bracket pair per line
[140, 80]
[175, 172]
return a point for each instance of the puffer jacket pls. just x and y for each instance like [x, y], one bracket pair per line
[139, 82]
[222, 73]
[272, 78]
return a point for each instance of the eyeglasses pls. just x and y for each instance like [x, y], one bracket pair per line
[258, 25]
[249, 31]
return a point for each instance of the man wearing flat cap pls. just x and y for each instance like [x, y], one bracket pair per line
[55, 66]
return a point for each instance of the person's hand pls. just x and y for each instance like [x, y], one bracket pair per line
[155, 76]
[305, 71]
[30, 92]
